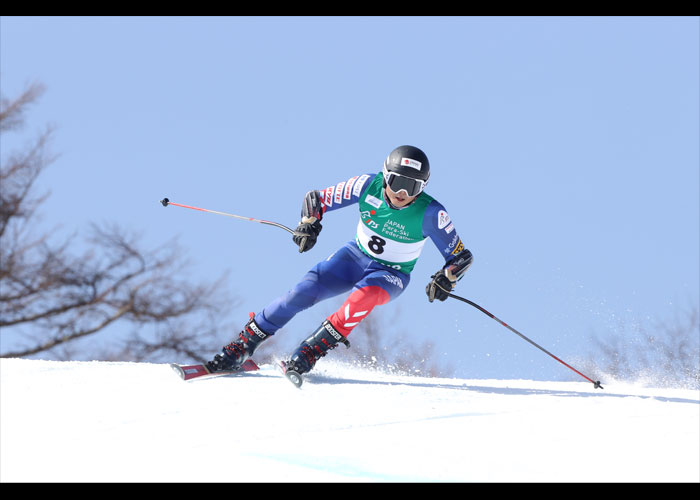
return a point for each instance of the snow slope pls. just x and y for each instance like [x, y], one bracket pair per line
[99, 421]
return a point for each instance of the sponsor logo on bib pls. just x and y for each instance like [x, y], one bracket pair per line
[375, 202]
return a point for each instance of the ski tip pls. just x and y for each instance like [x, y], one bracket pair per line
[178, 369]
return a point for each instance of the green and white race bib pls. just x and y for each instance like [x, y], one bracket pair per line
[392, 237]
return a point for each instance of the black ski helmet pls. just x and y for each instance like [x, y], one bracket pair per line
[406, 168]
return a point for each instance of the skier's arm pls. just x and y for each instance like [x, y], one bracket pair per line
[438, 226]
[344, 193]
[317, 203]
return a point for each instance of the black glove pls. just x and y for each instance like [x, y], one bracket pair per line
[307, 235]
[434, 289]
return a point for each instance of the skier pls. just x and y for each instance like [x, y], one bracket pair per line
[396, 218]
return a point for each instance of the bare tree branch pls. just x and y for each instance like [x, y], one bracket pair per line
[12, 111]
[51, 296]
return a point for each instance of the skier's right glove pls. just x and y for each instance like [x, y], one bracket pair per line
[306, 236]
[310, 225]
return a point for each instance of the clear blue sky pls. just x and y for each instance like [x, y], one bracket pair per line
[565, 150]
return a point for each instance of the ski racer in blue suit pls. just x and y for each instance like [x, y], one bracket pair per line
[397, 217]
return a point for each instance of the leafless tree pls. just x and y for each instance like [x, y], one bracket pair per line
[52, 295]
[666, 354]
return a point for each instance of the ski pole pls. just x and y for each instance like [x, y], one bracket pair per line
[165, 202]
[596, 384]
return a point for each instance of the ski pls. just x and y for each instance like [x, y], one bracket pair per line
[191, 372]
[293, 376]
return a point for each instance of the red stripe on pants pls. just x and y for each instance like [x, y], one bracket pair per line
[357, 307]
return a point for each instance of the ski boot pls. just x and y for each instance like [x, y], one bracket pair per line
[311, 350]
[239, 351]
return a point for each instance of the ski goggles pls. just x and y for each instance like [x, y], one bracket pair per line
[397, 182]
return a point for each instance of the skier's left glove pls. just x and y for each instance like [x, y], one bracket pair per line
[307, 233]
[444, 281]
[439, 287]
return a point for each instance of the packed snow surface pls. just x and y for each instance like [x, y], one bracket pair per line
[138, 422]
